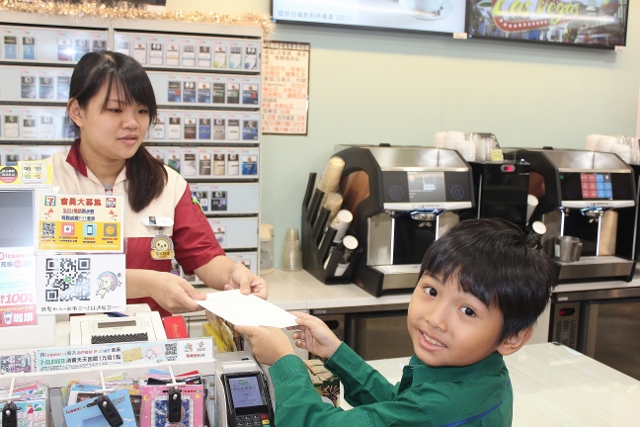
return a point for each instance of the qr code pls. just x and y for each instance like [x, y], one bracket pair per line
[67, 279]
[171, 349]
[48, 228]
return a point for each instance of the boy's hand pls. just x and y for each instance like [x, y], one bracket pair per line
[269, 343]
[315, 336]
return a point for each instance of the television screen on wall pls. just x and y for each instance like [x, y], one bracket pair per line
[590, 23]
[439, 16]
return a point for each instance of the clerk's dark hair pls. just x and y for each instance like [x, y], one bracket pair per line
[145, 174]
[490, 258]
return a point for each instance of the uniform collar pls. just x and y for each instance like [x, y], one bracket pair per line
[74, 158]
[418, 372]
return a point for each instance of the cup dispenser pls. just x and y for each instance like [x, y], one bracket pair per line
[324, 253]
[590, 196]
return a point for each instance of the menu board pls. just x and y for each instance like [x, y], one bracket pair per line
[285, 87]
[442, 16]
[591, 23]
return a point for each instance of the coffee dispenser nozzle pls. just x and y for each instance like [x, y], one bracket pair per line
[425, 214]
[594, 213]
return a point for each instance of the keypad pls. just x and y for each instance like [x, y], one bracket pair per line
[255, 420]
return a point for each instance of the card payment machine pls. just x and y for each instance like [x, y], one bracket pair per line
[242, 392]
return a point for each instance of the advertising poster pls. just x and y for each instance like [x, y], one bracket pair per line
[86, 283]
[17, 287]
[285, 90]
[125, 353]
[25, 173]
[68, 223]
[17, 247]
[593, 23]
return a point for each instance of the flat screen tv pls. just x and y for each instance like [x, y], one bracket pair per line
[438, 16]
[590, 23]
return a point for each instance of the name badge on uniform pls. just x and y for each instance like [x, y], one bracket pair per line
[157, 221]
[162, 247]
[161, 244]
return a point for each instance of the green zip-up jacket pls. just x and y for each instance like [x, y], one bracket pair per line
[475, 395]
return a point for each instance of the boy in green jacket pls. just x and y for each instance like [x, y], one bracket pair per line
[480, 290]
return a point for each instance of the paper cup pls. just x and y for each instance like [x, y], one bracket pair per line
[532, 202]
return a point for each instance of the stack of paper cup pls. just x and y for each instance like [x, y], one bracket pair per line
[438, 140]
[451, 138]
[341, 223]
[605, 142]
[333, 205]
[532, 202]
[330, 179]
[591, 143]
[623, 151]
[467, 150]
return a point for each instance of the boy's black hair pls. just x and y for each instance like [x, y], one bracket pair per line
[491, 259]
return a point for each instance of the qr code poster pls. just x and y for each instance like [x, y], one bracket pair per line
[68, 223]
[80, 283]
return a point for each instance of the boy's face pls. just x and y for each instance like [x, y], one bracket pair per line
[449, 327]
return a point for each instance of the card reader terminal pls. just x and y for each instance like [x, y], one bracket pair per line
[243, 389]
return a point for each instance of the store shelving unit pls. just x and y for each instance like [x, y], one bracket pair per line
[207, 81]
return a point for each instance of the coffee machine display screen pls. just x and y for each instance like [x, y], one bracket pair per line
[596, 186]
[426, 187]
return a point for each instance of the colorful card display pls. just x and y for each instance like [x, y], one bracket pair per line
[86, 413]
[155, 406]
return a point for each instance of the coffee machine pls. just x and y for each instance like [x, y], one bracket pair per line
[402, 199]
[589, 195]
[634, 239]
[501, 189]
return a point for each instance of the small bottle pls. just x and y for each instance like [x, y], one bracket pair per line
[266, 249]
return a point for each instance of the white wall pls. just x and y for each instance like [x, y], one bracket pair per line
[375, 86]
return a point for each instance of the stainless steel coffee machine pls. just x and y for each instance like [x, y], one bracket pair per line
[591, 196]
[402, 200]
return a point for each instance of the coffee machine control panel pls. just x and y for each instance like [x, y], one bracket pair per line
[606, 189]
[406, 190]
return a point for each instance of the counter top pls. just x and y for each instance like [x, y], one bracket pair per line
[556, 386]
[299, 290]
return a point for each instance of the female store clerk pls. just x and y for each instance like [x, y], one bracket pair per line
[111, 106]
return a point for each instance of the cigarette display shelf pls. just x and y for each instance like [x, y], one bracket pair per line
[208, 84]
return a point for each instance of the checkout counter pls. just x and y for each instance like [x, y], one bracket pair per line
[553, 384]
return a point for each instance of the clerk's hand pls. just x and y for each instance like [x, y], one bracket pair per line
[269, 344]
[172, 292]
[314, 336]
[222, 273]
[244, 279]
